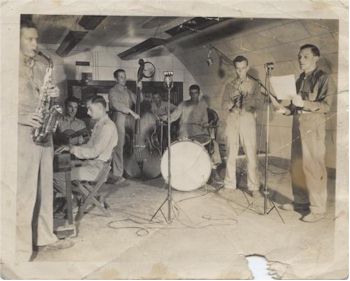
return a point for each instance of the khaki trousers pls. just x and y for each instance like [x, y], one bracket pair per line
[34, 191]
[87, 172]
[216, 157]
[118, 152]
[308, 168]
[241, 127]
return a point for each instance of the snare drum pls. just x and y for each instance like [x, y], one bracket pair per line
[190, 165]
[203, 139]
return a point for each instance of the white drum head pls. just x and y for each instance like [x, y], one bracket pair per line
[190, 165]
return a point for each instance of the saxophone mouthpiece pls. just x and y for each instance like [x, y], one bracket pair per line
[40, 53]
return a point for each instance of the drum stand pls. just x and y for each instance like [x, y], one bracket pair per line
[268, 69]
[168, 83]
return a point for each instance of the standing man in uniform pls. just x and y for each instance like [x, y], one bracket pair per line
[35, 161]
[121, 99]
[241, 100]
[315, 91]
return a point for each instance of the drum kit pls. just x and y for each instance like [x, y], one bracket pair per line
[190, 164]
[185, 164]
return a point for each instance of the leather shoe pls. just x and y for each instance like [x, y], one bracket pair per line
[115, 180]
[59, 245]
[312, 217]
[294, 207]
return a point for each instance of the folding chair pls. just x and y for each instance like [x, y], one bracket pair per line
[91, 195]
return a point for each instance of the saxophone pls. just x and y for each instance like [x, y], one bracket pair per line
[51, 113]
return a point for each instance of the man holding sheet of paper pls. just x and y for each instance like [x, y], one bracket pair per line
[309, 105]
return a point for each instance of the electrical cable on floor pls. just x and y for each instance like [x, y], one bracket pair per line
[143, 228]
[195, 197]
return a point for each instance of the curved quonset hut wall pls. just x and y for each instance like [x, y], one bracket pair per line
[262, 40]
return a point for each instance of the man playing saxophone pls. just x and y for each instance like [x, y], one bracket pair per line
[35, 159]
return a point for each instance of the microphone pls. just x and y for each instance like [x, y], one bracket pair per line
[269, 66]
[141, 62]
[168, 79]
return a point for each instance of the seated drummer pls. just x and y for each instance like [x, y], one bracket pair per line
[70, 124]
[96, 151]
[193, 116]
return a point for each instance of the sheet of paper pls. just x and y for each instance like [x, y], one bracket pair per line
[284, 86]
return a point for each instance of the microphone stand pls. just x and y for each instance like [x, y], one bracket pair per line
[168, 83]
[268, 69]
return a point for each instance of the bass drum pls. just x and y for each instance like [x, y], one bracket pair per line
[190, 165]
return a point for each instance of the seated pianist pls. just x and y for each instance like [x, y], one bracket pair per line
[70, 125]
[95, 152]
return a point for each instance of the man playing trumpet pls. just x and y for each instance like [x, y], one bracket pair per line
[241, 100]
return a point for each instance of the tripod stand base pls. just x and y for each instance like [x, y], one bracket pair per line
[168, 219]
[266, 212]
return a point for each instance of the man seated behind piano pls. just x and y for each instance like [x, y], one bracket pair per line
[96, 151]
[70, 124]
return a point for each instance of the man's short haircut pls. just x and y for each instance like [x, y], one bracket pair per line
[26, 22]
[99, 99]
[71, 99]
[314, 49]
[240, 59]
[194, 87]
[115, 74]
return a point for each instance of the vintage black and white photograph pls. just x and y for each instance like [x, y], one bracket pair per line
[189, 145]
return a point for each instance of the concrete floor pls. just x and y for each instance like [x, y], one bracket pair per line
[210, 236]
